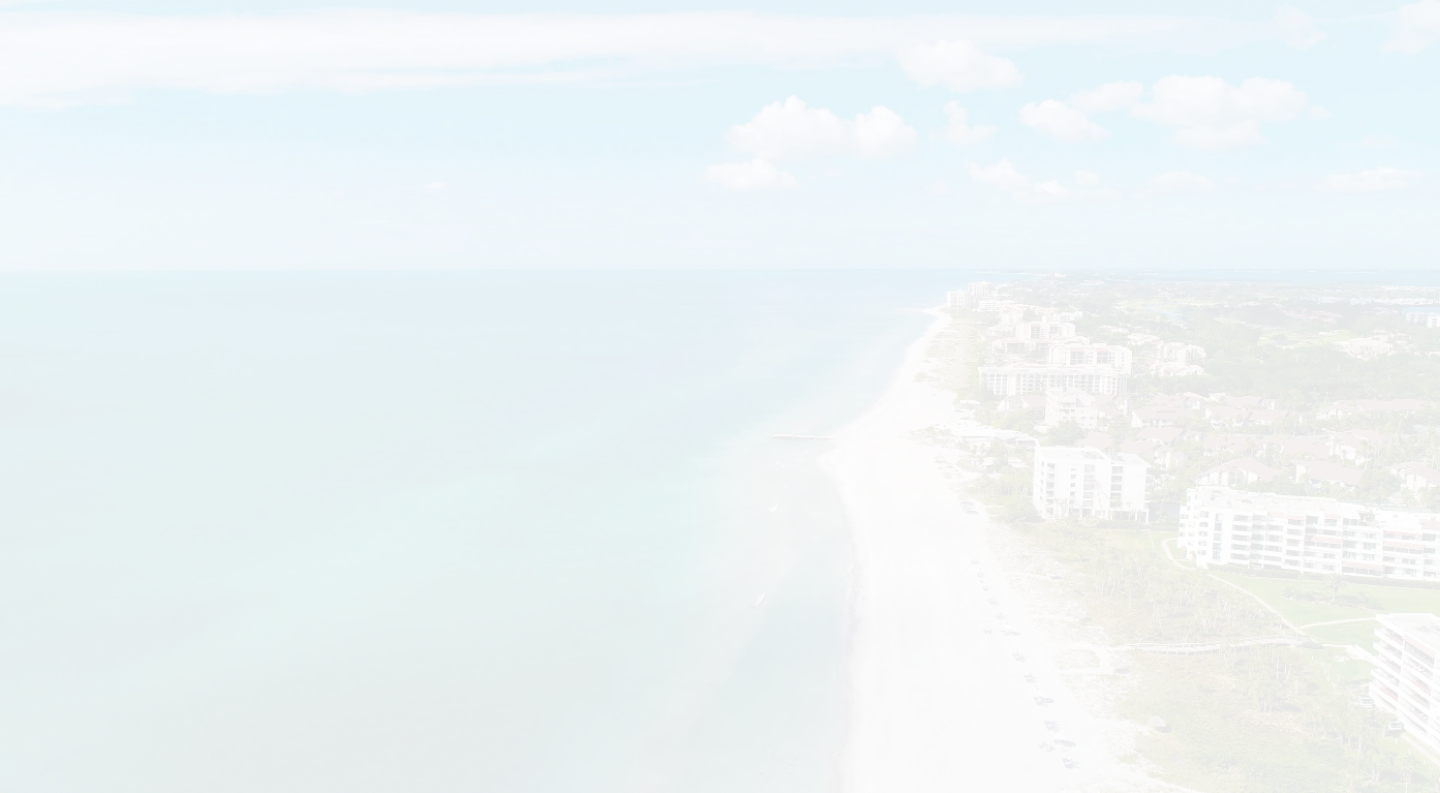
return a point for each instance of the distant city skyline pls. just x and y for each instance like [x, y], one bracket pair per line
[267, 135]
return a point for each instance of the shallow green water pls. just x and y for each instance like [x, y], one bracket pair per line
[479, 531]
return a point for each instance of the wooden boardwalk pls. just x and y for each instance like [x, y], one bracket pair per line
[1206, 648]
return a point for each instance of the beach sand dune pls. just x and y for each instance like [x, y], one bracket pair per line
[938, 703]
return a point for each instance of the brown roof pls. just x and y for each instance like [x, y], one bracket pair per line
[1227, 442]
[1419, 469]
[1139, 446]
[1296, 446]
[1161, 435]
[1249, 467]
[1324, 471]
[1268, 415]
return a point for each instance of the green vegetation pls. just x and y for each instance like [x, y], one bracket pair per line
[1306, 601]
[1360, 634]
[1066, 433]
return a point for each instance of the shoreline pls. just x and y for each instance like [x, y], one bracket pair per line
[940, 696]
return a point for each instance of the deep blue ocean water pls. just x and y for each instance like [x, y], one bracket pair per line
[499, 531]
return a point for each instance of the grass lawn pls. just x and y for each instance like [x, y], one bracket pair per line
[1361, 634]
[1287, 596]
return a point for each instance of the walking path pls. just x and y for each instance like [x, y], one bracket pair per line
[1337, 622]
[1237, 587]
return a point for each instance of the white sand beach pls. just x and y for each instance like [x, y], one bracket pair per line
[938, 702]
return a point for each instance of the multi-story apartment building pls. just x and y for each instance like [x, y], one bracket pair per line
[1066, 405]
[1084, 482]
[1221, 525]
[1405, 679]
[1093, 368]
[1013, 379]
[1035, 335]
[1109, 356]
[959, 298]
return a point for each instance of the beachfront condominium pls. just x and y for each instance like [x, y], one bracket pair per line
[1092, 368]
[1307, 534]
[1088, 483]
[1403, 680]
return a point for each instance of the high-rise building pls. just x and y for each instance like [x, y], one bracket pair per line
[1084, 482]
[1403, 678]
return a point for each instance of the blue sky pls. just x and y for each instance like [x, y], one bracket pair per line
[263, 135]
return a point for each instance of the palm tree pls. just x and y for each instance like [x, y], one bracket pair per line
[1406, 764]
[1335, 583]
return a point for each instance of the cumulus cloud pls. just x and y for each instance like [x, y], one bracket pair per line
[958, 65]
[1001, 174]
[1237, 137]
[1179, 181]
[1212, 114]
[1060, 121]
[756, 174]
[881, 133]
[1054, 193]
[1373, 141]
[957, 129]
[792, 129]
[1108, 97]
[1297, 28]
[1375, 180]
[57, 58]
[1417, 26]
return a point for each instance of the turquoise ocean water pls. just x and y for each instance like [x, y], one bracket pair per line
[430, 532]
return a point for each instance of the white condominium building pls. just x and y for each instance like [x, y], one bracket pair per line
[1405, 675]
[1107, 356]
[1015, 379]
[1221, 525]
[1093, 368]
[1083, 482]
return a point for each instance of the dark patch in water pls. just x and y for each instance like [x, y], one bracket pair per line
[29, 403]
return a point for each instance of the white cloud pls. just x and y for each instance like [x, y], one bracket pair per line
[66, 57]
[757, 174]
[1087, 178]
[1373, 141]
[1213, 114]
[791, 129]
[1375, 180]
[1177, 181]
[1416, 27]
[1002, 175]
[1237, 137]
[958, 65]
[1054, 193]
[1061, 121]
[881, 133]
[958, 131]
[1110, 96]
[1297, 28]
